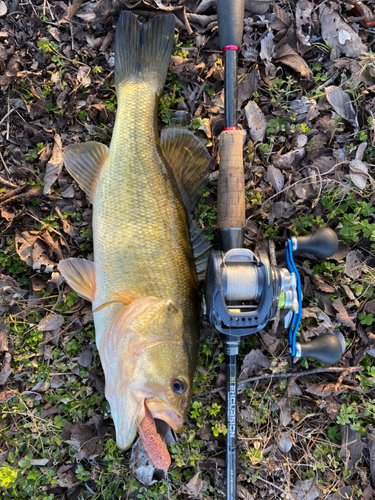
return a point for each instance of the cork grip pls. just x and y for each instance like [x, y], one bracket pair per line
[231, 188]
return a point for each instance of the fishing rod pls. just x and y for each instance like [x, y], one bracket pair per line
[243, 291]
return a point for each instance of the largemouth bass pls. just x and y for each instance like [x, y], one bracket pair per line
[143, 282]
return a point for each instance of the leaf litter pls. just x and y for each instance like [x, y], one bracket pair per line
[306, 84]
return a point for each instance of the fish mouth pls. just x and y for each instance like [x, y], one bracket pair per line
[159, 410]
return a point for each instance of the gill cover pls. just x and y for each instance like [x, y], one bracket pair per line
[145, 356]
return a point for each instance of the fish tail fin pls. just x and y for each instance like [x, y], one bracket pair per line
[142, 52]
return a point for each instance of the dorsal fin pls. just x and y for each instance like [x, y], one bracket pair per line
[80, 275]
[189, 160]
[84, 162]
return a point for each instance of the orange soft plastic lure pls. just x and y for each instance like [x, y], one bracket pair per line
[153, 443]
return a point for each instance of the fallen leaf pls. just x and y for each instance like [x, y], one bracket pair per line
[54, 165]
[367, 493]
[267, 52]
[303, 21]
[50, 323]
[289, 160]
[351, 447]
[325, 390]
[280, 210]
[285, 412]
[359, 173]
[285, 443]
[83, 75]
[195, 486]
[66, 477]
[331, 25]
[85, 439]
[4, 333]
[353, 264]
[85, 358]
[342, 316]
[253, 362]
[286, 55]
[73, 8]
[275, 178]
[304, 109]
[256, 121]
[306, 490]
[7, 395]
[341, 103]
[370, 307]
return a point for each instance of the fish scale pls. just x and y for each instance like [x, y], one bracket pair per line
[152, 233]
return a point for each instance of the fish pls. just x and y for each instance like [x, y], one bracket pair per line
[149, 253]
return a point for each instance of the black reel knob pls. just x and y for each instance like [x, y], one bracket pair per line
[322, 243]
[327, 349]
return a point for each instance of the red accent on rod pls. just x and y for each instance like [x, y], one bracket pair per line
[231, 47]
[230, 128]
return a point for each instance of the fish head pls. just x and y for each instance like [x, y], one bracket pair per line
[147, 353]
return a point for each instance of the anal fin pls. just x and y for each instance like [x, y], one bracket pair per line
[80, 275]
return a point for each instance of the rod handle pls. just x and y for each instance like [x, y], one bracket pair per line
[230, 16]
[322, 243]
[231, 187]
[326, 348]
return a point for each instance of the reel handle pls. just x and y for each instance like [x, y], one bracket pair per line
[326, 348]
[322, 243]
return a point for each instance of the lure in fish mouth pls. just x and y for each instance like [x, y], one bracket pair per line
[148, 252]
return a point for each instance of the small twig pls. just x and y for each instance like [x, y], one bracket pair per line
[267, 376]
[7, 114]
[4, 182]
[328, 81]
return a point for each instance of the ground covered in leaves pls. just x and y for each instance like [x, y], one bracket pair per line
[306, 102]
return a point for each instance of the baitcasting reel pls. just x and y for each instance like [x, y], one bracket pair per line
[244, 291]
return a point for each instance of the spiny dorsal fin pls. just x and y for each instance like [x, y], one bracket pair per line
[80, 275]
[142, 52]
[189, 160]
[84, 162]
[201, 248]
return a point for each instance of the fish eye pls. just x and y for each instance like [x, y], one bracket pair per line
[179, 386]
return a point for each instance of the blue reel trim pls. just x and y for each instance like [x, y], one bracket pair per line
[296, 319]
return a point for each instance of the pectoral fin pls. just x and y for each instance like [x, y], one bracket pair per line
[84, 162]
[80, 275]
[189, 160]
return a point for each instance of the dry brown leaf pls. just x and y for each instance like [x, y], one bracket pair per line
[331, 24]
[353, 264]
[342, 314]
[367, 493]
[195, 486]
[54, 165]
[280, 210]
[325, 390]
[351, 447]
[303, 21]
[306, 490]
[289, 160]
[73, 8]
[341, 103]
[285, 412]
[289, 57]
[4, 332]
[247, 86]
[275, 178]
[66, 477]
[7, 395]
[256, 121]
[253, 362]
[359, 173]
[50, 323]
